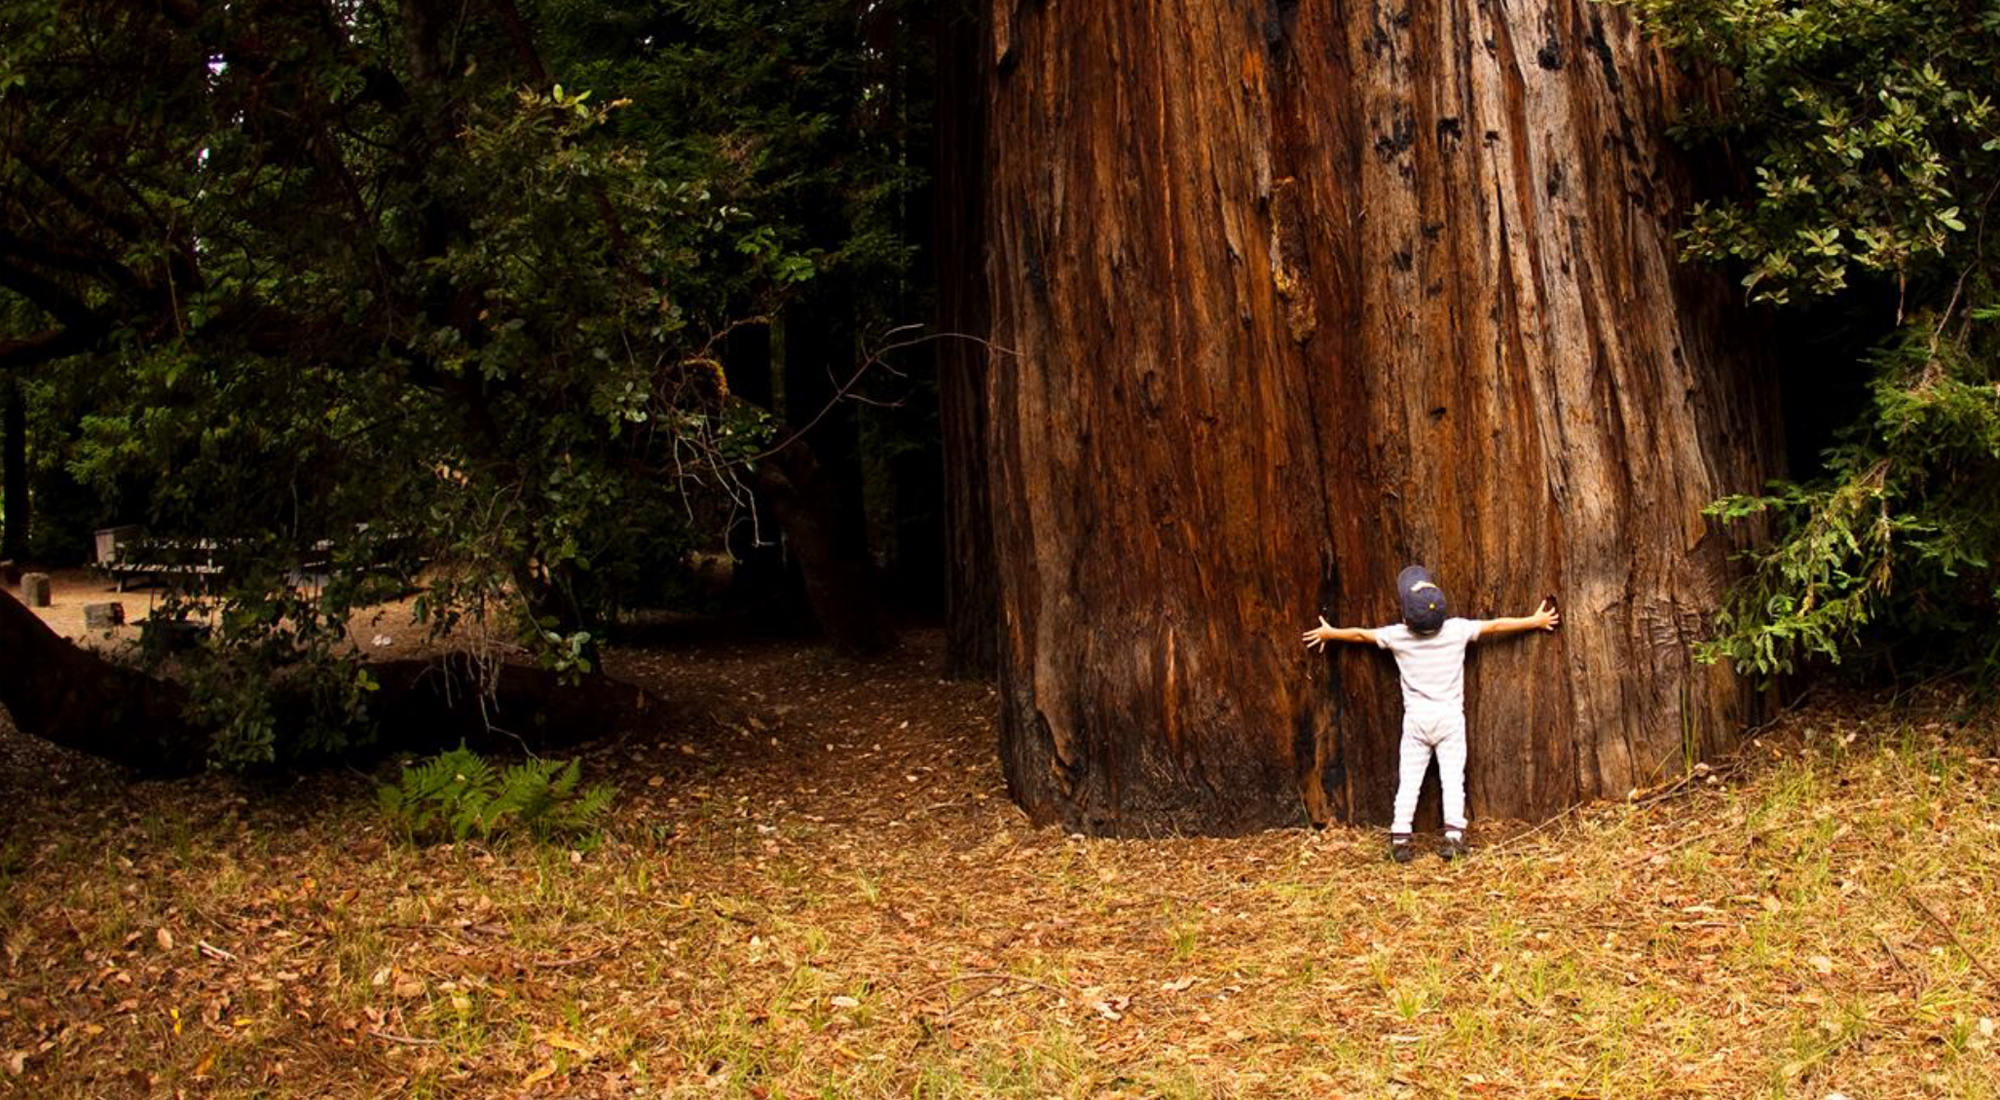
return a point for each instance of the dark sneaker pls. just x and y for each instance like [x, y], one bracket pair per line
[1452, 848]
[1401, 850]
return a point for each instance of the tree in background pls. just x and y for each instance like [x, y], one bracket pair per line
[376, 276]
[1870, 145]
[808, 109]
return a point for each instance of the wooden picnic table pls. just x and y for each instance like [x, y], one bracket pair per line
[128, 552]
[124, 553]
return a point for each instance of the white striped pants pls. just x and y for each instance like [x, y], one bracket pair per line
[1442, 733]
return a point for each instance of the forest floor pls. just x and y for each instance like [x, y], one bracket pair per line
[812, 885]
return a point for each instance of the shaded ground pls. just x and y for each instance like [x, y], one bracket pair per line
[816, 888]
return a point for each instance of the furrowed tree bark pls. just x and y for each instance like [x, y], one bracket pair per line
[972, 594]
[1297, 294]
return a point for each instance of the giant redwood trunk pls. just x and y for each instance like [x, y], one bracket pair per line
[1294, 294]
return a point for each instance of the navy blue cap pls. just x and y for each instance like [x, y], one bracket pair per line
[1423, 601]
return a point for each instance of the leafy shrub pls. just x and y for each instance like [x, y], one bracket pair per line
[1868, 138]
[276, 681]
[1902, 531]
[1867, 128]
[458, 795]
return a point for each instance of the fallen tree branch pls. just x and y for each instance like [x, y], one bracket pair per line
[65, 694]
[1895, 956]
[554, 964]
[1551, 823]
[215, 952]
[68, 695]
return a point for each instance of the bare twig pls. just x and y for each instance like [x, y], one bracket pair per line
[1545, 826]
[1681, 784]
[205, 915]
[406, 1040]
[1895, 956]
[215, 952]
[1931, 915]
[553, 964]
[1677, 845]
[996, 976]
[1722, 768]
[470, 933]
[874, 359]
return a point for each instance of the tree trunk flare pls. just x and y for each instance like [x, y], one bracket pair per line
[1296, 295]
[972, 593]
[14, 484]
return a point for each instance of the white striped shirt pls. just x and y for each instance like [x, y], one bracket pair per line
[1432, 665]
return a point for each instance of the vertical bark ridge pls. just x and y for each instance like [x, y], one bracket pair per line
[963, 306]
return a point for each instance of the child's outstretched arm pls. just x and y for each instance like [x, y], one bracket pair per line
[1546, 617]
[1318, 636]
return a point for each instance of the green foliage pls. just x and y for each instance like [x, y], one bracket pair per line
[282, 685]
[425, 297]
[1871, 148]
[457, 795]
[1868, 127]
[1902, 530]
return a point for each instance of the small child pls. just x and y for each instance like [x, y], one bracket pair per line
[1430, 656]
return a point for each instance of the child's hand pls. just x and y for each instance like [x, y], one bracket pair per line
[1546, 617]
[1317, 637]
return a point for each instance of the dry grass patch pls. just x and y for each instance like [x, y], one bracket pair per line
[824, 893]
